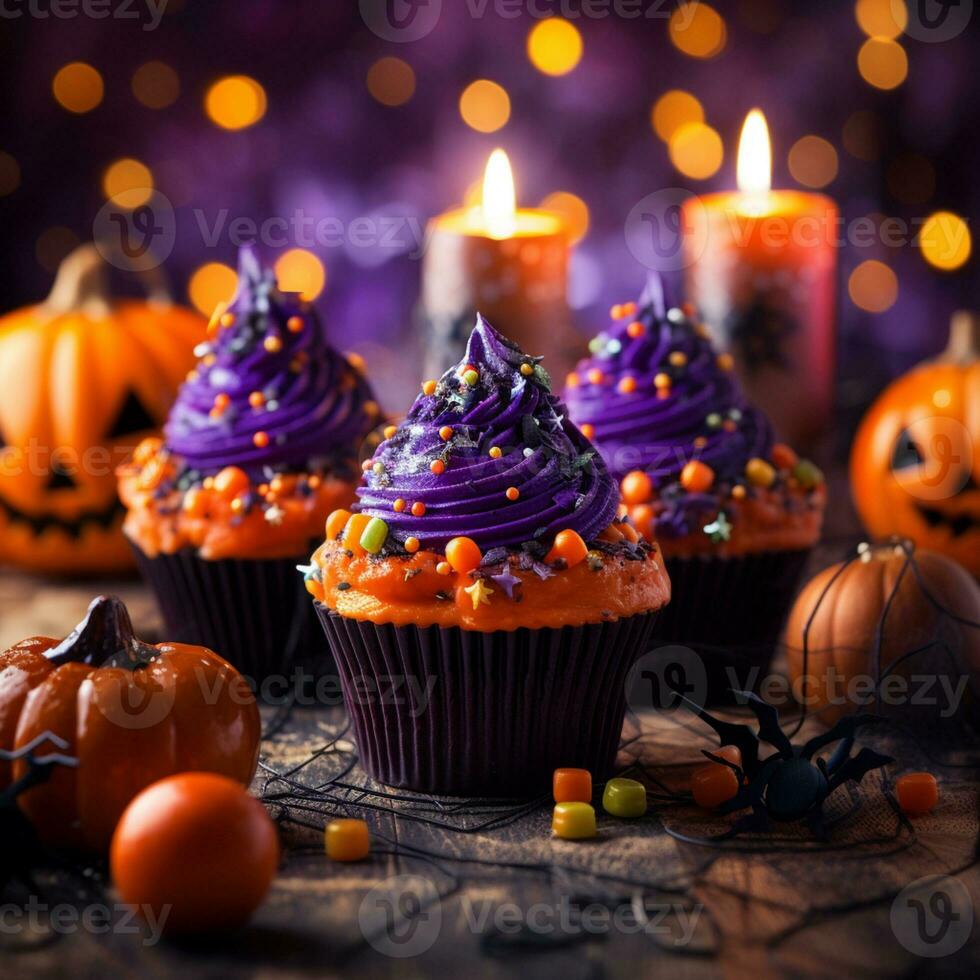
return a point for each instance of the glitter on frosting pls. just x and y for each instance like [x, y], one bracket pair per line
[655, 395]
[269, 393]
[497, 398]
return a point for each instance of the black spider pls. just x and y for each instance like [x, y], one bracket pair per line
[789, 784]
[21, 846]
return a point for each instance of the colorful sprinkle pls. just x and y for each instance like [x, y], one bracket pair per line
[568, 546]
[256, 399]
[428, 387]
[697, 477]
[294, 324]
[725, 362]
[677, 358]
[261, 439]
[227, 319]
[443, 568]
[713, 421]
[418, 509]
[627, 385]
[595, 376]
[446, 433]
[374, 535]
[738, 491]
[637, 487]
[496, 452]
[783, 457]
[471, 377]
[512, 493]
[808, 475]
[479, 592]
[616, 311]
[399, 506]
[231, 481]
[571, 380]
[272, 344]
[390, 430]
[662, 380]
[527, 369]
[635, 329]
[760, 473]
[463, 554]
[336, 523]
[238, 505]
[629, 309]
[412, 545]
[438, 467]
[588, 429]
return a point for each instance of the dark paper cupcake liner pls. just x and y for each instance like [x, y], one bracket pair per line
[503, 709]
[254, 613]
[730, 611]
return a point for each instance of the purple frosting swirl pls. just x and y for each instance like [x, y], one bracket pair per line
[562, 482]
[653, 427]
[315, 407]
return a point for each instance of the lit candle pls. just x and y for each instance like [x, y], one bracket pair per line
[507, 263]
[761, 267]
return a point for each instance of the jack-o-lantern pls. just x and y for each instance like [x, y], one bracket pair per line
[915, 464]
[82, 380]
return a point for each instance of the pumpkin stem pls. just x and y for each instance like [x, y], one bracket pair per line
[104, 637]
[81, 285]
[964, 339]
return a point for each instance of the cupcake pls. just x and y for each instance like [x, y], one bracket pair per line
[261, 445]
[735, 512]
[483, 600]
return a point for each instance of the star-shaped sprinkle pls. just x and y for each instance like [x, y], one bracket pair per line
[307, 571]
[479, 593]
[274, 515]
[506, 581]
[719, 529]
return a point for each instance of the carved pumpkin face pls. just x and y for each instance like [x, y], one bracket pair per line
[915, 464]
[81, 382]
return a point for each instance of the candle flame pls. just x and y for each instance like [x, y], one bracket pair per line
[754, 167]
[499, 199]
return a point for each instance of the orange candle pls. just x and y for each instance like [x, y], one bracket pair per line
[508, 263]
[761, 267]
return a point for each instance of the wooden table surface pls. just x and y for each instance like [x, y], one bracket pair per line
[483, 890]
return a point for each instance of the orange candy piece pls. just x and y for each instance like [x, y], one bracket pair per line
[347, 840]
[336, 523]
[570, 546]
[463, 554]
[713, 785]
[353, 531]
[231, 481]
[572, 786]
[917, 793]
[697, 477]
[783, 457]
[637, 487]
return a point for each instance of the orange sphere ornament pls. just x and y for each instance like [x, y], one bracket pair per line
[915, 464]
[129, 712]
[83, 379]
[197, 851]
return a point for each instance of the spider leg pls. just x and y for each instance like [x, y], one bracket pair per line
[839, 755]
[730, 733]
[855, 769]
[847, 726]
[769, 728]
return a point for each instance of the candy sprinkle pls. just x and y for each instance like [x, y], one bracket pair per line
[438, 467]
[443, 568]
[261, 439]
[294, 324]
[479, 592]
[399, 506]
[412, 545]
[418, 509]
[390, 430]
[272, 344]
[256, 399]
[471, 377]
[496, 452]
[446, 433]
[588, 430]
[428, 387]
[527, 369]
[513, 493]
[374, 536]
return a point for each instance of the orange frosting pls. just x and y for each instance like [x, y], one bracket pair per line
[410, 591]
[214, 518]
[778, 519]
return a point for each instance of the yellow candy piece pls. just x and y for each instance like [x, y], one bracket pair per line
[760, 473]
[624, 798]
[573, 821]
[347, 840]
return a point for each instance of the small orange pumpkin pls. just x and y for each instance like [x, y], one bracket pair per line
[915, 464]
[82, 380]
[130, 714]
[839, 614]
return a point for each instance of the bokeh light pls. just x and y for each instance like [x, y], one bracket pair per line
[813, 161]
[53, 244]
[391, 81]
[573, 210]
[883, 63]
[873, 287]
[300, 271]
[554, 46]
[696, 150]
[128, 183]
[211, 284]
[945, 240]
[674, 109]
[911, 178]
[484, 106]
[9, 174]
[235, 102]
[156, 85]
[861, 135]
[881, 18]
[697, 29]
[78, 87]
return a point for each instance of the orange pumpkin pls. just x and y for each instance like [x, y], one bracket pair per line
[82, 380]
[915, 464]
[130, 714]
[839, 614]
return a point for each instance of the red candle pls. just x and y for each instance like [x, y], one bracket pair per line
[761, 267]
